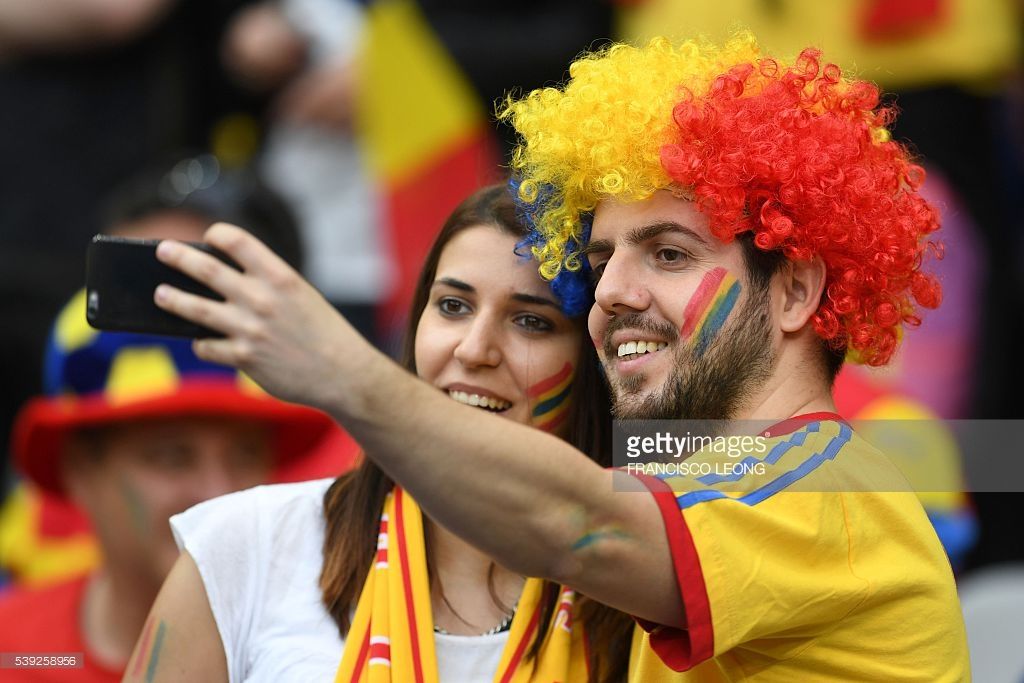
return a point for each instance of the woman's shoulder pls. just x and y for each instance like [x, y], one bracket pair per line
[262, 509]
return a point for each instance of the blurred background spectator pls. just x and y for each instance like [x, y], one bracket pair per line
[301, 52]
[44, 537]
[92, 91]
[133, 429]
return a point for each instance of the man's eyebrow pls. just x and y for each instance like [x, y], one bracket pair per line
[643, 233]
[518, 296]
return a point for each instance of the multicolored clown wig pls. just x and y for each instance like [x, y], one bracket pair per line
[797, 154]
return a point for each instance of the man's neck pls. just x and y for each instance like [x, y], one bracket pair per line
[796, 387]
[113, 612]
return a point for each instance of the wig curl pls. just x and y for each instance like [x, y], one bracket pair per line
[797, 154]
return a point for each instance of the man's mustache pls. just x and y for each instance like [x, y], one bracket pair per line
[637, 321]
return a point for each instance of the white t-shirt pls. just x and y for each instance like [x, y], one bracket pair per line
[259, 553]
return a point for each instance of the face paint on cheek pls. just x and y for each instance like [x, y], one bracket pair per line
[137, 512]
[708, 309]
[550, 398]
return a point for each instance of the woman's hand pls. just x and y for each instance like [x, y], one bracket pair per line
[279, 329]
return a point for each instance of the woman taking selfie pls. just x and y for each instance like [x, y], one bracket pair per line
[282, 583]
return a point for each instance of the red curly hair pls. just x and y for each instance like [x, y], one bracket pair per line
[801, 157]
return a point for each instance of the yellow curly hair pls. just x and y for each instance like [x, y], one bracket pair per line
[574, 147]
[795, 153]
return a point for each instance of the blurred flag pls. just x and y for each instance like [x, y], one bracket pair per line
[426, 134]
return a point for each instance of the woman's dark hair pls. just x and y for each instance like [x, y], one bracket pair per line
[353, 503]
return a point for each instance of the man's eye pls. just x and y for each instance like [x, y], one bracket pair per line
[450, 306]
[533, 323]
[667, 255]
[170, 456]
[596, 272]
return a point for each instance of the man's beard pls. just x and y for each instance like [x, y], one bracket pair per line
[708, 386]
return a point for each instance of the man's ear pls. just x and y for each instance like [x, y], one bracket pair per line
[802, 284]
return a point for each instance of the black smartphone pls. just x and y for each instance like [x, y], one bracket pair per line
[121, 274]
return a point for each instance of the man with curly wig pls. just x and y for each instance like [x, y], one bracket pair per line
[749, 224]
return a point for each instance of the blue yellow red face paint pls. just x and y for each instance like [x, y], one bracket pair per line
[550, 398]
[708, 309]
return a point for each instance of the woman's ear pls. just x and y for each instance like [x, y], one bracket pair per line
[802, 284]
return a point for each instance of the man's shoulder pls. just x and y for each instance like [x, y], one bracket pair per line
[807, 456]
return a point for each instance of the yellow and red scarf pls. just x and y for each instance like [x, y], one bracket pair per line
[392, 634]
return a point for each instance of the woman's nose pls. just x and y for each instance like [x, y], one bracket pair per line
[481, 346]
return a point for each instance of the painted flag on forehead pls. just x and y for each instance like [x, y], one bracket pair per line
[427, 135]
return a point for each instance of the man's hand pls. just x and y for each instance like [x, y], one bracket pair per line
[279, 329]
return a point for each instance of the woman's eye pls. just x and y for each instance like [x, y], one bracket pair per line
[450, 306]
[533, 323]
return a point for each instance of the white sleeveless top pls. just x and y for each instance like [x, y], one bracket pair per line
[259, 553]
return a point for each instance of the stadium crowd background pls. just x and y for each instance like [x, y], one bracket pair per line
[371, 120]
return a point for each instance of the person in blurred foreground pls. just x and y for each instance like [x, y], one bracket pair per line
[748, 222]
[133, 429]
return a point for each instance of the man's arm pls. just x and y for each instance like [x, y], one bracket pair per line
[180, 641]
[528, 499]
[52, 25]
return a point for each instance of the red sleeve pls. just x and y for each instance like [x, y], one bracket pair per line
[681, 649]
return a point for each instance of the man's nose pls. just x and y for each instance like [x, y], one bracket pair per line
[225, 470]
[621, 287]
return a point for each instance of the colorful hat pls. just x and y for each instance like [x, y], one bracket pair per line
[94, 378]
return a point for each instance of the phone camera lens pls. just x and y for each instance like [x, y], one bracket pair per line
[92, 305]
